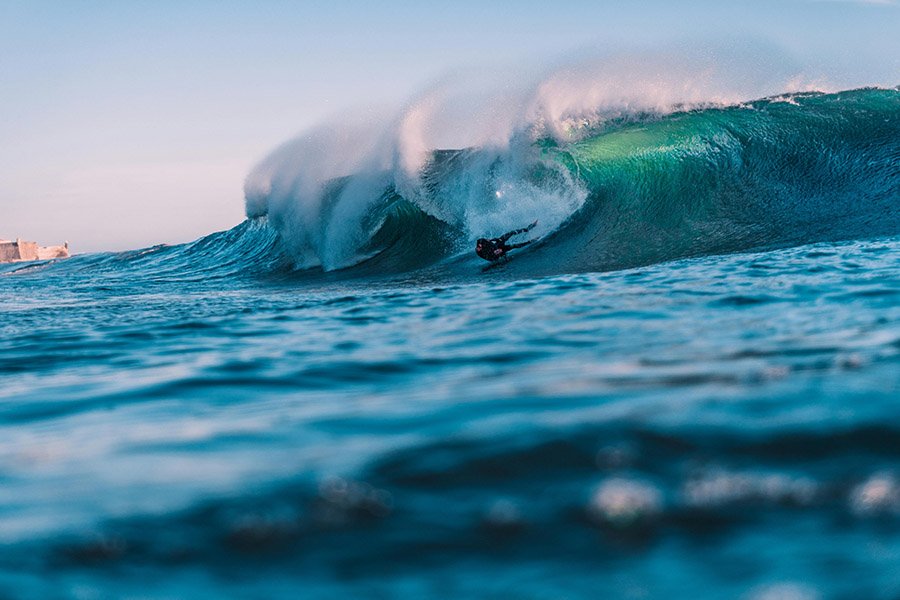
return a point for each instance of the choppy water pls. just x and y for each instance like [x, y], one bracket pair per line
[716, 427]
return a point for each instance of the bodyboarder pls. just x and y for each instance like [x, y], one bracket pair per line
[496, 248]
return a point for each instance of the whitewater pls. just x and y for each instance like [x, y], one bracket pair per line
[687, 387]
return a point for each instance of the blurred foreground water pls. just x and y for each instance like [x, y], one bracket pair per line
[720, 427]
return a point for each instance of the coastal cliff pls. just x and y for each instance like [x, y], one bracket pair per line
[20, 250]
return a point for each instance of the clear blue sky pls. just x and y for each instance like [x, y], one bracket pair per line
[124, 124]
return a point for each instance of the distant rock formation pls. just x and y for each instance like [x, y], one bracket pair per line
[21, 250]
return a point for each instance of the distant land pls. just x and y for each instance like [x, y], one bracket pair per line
[20, 250]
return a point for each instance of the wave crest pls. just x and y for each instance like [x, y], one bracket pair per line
[482, 155]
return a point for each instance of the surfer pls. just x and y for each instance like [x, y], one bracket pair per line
[496, 248]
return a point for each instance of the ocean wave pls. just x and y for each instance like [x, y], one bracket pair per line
[632, 181]
[628, 191]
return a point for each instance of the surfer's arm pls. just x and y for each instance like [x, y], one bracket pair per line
[519, 245]
[506, 236]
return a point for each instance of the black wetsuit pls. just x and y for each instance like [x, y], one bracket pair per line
[496, 248]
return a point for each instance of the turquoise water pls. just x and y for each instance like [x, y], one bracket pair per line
[717, 420]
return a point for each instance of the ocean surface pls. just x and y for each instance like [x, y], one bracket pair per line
[689, 387]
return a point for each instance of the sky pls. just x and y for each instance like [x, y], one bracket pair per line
[127, 124]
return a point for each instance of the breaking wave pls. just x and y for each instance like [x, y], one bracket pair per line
[625, 161]
[630, 186]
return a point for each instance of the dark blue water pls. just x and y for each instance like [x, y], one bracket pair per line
[717, 427]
